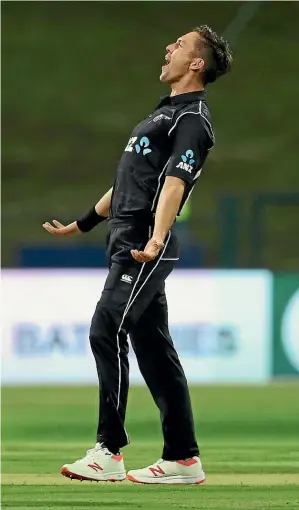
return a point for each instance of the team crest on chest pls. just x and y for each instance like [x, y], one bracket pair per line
[140, 146]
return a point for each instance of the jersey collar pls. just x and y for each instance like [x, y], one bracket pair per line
[188, 97]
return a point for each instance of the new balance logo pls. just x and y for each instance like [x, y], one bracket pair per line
[126, 278]
[157, 471]
[95, 467]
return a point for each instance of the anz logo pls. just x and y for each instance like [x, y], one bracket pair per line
[187, 161]
[142, 146]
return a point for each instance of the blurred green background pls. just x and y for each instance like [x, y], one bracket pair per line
[77, 76]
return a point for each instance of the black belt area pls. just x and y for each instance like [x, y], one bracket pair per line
[137, 222]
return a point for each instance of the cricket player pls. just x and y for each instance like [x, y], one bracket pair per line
[160, 165]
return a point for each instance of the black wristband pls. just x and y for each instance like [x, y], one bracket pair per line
[89, 220]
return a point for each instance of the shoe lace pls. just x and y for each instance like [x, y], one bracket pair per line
[99, 447]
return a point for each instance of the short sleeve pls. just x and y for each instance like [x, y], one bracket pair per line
[191, 143]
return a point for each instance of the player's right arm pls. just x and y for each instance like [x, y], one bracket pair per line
[96, 215]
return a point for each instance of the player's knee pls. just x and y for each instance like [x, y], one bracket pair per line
[103, 324]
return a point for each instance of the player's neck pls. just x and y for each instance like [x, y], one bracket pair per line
[183, 90]
[182, 87]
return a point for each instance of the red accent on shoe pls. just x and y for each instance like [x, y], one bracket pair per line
[157, 470]
[118, 458]
[134, 480]
[189, 462]
[75, 476]
[95, 467]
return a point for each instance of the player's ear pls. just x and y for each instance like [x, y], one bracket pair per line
[197, 64]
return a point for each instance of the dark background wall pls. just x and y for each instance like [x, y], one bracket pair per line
[77, 76]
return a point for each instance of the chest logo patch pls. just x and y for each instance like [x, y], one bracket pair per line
[141, 146]
[187, 161]
[144, 142]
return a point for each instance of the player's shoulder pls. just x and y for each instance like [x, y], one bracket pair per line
[198, 110]
[195, 114]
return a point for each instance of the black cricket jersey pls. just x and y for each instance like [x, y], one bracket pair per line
[174, 140]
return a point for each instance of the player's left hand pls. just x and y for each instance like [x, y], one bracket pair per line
[150, 252]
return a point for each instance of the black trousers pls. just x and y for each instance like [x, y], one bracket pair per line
[133, 303]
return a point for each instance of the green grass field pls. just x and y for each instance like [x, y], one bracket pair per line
[249, 438]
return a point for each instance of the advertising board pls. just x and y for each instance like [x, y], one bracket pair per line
[286, 325]
[220, 323]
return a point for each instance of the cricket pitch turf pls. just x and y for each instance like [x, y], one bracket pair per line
[249, 441]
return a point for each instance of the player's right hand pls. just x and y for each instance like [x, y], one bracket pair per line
[61, 230]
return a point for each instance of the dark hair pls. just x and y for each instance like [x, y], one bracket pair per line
[218, 56]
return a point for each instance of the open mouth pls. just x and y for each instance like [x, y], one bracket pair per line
[167, 62]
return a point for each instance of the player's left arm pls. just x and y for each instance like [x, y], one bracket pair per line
[191, 143]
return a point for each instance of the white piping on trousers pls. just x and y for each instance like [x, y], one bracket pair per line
[160, 258]
[119, 329]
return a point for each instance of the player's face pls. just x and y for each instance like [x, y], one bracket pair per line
[179, 58]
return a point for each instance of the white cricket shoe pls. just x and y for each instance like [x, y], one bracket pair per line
[99, 464]
[170, 472]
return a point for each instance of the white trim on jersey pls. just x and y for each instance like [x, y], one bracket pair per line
[194, 113]
[209, 124]
[159, 182]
